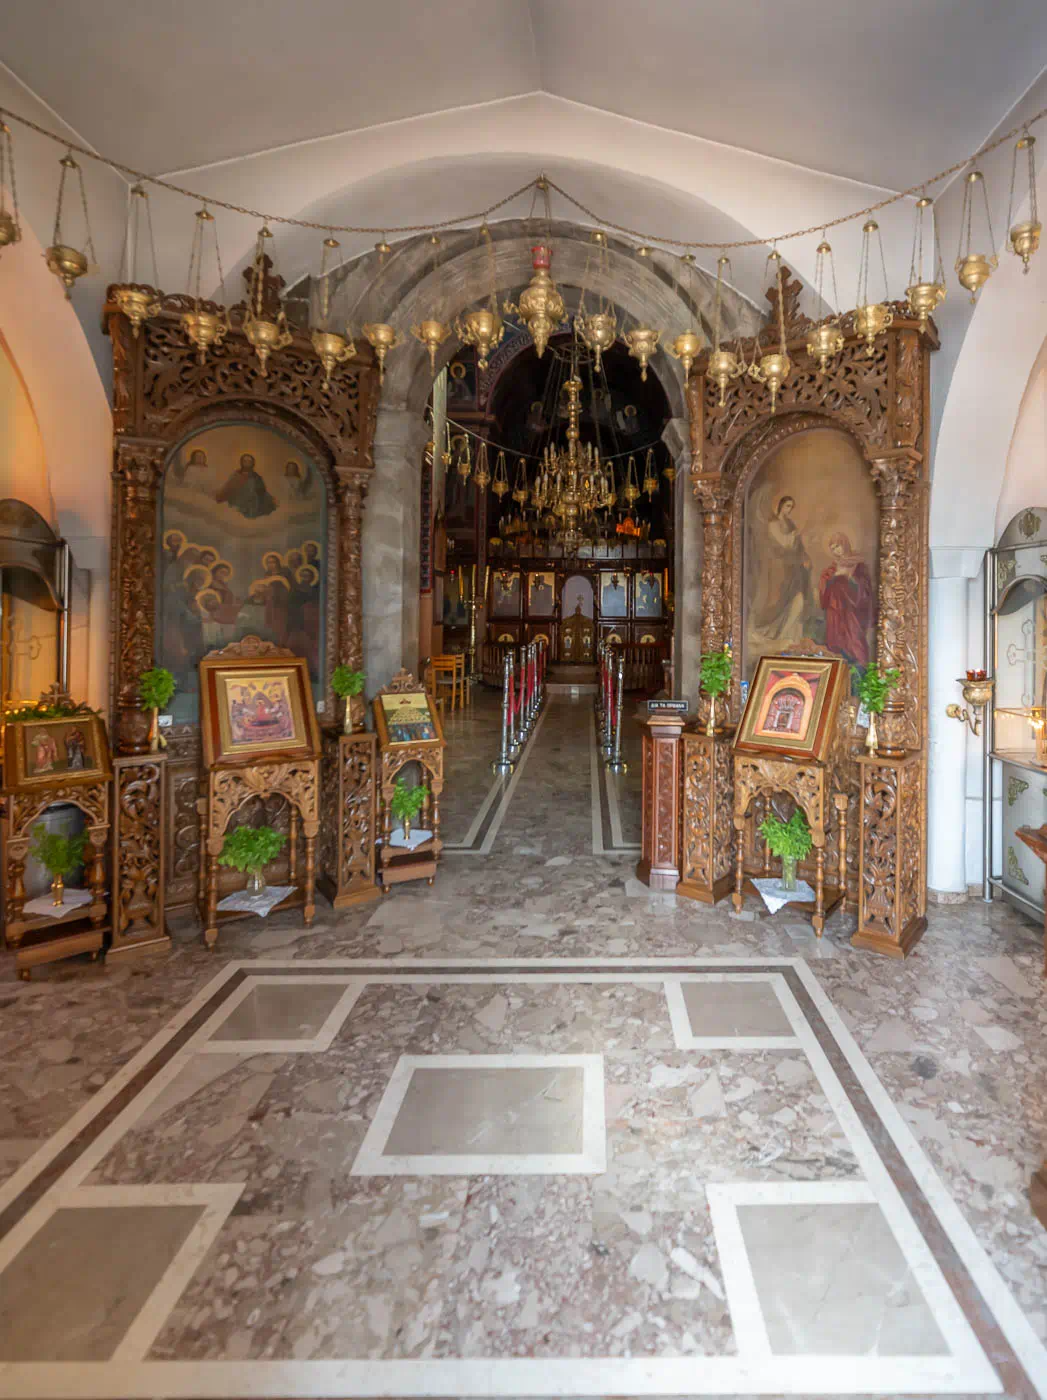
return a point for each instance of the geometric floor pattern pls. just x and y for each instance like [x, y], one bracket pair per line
[499, 1178]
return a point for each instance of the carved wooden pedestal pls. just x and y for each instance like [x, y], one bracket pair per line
[659, 864]
[707, 827]
[139, 797]
[892, 889]
[348, 827]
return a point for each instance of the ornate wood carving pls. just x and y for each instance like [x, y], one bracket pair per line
[348, 830]
[161, 393]
[138, 855]
[707, 828]
[660, 859]
[892, 901]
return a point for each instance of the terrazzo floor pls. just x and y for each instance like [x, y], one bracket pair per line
[534, 1131]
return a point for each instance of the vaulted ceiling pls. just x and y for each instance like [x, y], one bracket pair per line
[883, 93]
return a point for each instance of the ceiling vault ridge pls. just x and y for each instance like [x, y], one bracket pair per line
[68, 126]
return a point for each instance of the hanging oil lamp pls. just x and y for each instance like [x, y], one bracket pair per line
[642, 342]
[650, 476]
[206, 324]
[483, 327]
[266, 332]
[973, 268]
[67, 263]
[925, 296]
[464, 464]
[1025, 236]
[331, 348]
[138, 301]
[596, 329]
[540, 306]
[825, 339]
[688, 343]
[500, 484]
[631, 490]
[520, 490]
[871, 318]
[669, 473]
[482, 471]
[10, 224]
[724, 365]
[774, 366]
[432, 332]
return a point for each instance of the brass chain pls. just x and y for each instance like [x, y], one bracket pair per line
[541, 183]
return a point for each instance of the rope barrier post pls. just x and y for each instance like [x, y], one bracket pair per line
[515, 699]
[607, 744]
[502, 766]
[616, 764]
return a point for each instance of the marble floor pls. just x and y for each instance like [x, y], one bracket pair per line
[532, 1132]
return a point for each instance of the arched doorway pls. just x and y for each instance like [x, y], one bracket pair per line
[578, 629]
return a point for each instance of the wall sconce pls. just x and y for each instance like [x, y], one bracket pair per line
[977, 691]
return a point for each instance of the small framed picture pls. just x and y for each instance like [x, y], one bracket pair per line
[541, 594]
[614, 594]
[257, 708]
[791, 706]
[648, 596]
[406, 717]
[505, 594]
[45, 752]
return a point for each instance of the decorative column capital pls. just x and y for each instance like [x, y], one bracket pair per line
[139, 462]
[715, 495]
[353, 482]
[895, 473]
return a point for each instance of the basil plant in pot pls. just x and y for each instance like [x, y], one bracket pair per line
[155, 688]
[252, 848]
[59, 855]
[874, 686]
[347, 683]
[790, 840]
[715, 679]
[407, 802]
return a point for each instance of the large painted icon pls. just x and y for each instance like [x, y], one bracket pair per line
[252, 708]
[810, 552]
[791, 706]
[243, 532]
[505, 595]
[541, 594]
[648, 595]
[614, 595]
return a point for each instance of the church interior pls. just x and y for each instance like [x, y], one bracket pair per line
[523, 699]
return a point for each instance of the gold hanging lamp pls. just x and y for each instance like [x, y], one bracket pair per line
[650, 476]
[331, 348]
[137, 300]
[500, 483]
[432, 332]
[265, 331]
[206, 323]
[540, 306]
[688, 343]
[482, 471]
[774, 365]
[483, 327]
[724, 365]
[925, 296]
[642, 342]
[631, 488]
[67, 263]
[1025, 236]
[973, 268]
[825, 339]
[464, 465]
[871, 318]
[380, 335]
[10, 223]
[597, 330]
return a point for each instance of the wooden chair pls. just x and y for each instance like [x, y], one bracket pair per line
[445, 672]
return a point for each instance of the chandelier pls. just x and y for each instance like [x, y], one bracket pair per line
[572, 482]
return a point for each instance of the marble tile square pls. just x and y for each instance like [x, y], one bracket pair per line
[493, 1114]
[719, 1011]
[281, 1015]
[93, 1268]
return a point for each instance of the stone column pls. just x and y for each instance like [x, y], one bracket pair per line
[687, 564]
[390, 547]
[136, 477]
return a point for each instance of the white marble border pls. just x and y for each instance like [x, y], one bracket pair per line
[683, 1033]
[596, 769]
[209, 1039]
[217, 1201]
[372, 1160]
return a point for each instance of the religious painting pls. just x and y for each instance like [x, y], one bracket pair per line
[614, 596]
[791, 706]
[648, 599]
[505, 594]
[243, 550]
[405, 718]
[256, 708]
[541, 594]
[810, 550]
[47, 752]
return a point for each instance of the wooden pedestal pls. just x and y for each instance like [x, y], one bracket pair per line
[892, 888]
[706, 824]
[139, 796]
[348, 824]
[659, 865]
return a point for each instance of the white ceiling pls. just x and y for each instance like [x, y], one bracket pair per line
[881, 91]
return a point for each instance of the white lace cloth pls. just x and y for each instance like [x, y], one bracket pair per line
[417, 838]
[42, 904]
[261, 904]
[776, 896]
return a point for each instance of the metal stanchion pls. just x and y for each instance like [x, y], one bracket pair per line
[502, 766]
[515, 736]
[616, 764]
[607, 744]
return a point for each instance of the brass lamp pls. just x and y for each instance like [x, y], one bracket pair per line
[650, 476]
[825, 339]
[331, 348]
[688, 343]
[924, 296]
[540, 306]
[10, 224]
[67, 263]
[483, 326]
[266, 332]
[138, 301]
[482, 471]
[978, 694]
[724, 365]
[432, 333]
[206, 324]
[871, 317]
[1024, 236]
[500, 484]
[775, 365]
[974, 268]
[382, 338]
[596, 329]
[642, 342]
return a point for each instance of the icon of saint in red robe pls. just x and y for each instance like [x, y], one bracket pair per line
[846, 596]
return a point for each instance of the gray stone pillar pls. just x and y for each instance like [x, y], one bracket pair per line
[687, 564]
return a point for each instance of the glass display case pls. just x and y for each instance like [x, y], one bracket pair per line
[1016, 773]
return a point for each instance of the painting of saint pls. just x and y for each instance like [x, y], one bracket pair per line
[243, 512]
[505, 595]
[260, 711]
[44, 752]
[75, 749]
[810, 550]
[614, 597]
[246, 492]
[541, 594]
[648, 595]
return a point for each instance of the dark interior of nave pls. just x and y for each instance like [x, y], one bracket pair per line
[523, 696]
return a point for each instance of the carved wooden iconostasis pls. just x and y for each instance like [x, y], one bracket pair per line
[814, 526]
[629, 604]
[237, 511]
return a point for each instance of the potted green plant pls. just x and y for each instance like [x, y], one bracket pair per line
[790, 840]
[59, 855]
[346, 682]
[251, 848]
[715, 679]
[155, 688]
[407, 803]
[874, 686]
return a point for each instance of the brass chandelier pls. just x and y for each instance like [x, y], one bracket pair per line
[572, 482]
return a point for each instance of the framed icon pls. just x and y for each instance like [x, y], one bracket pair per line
[253, 707]
[44, 752]
[406, 717]
[791, 706]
